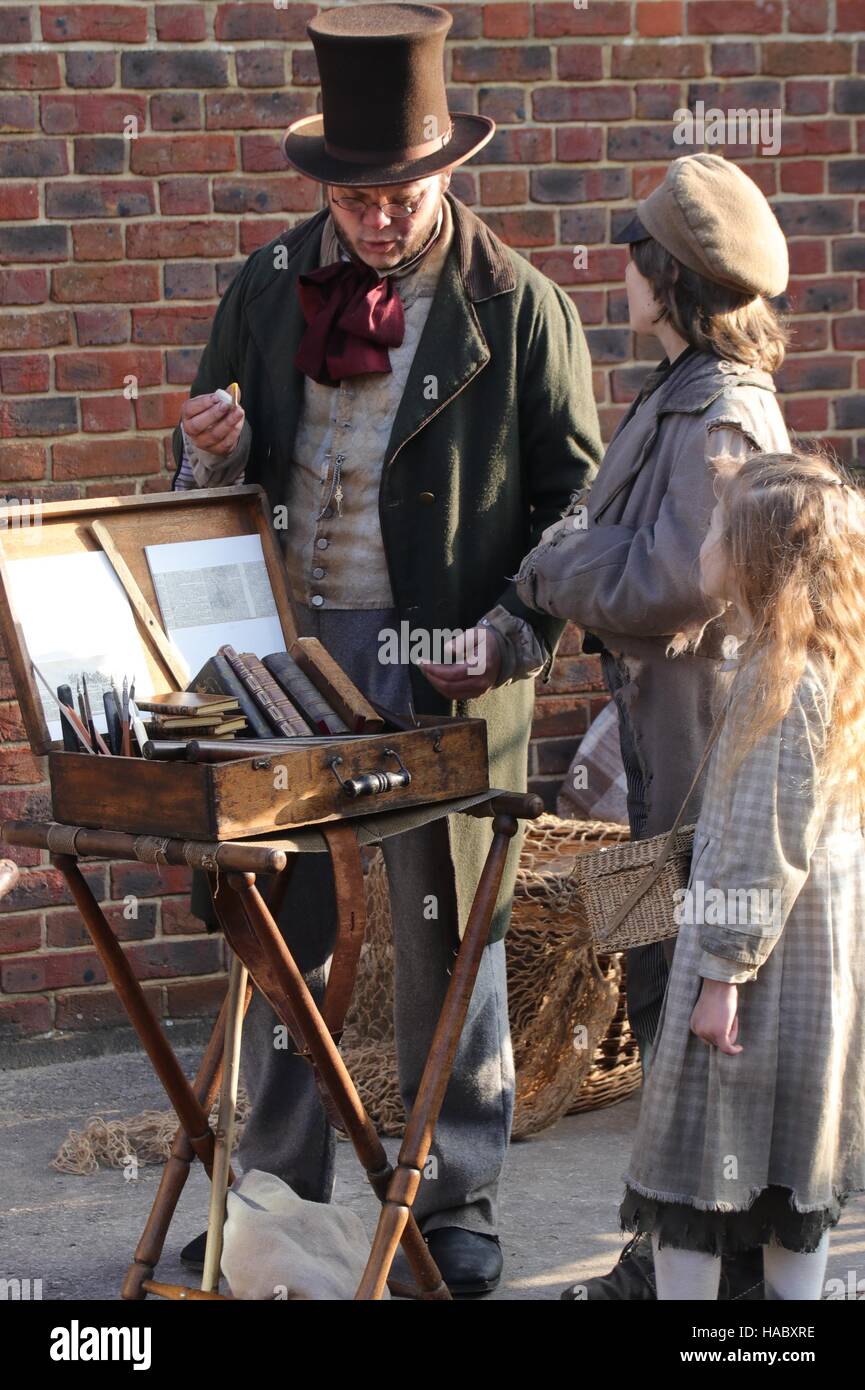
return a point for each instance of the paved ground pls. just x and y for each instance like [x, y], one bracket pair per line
[77, 1234]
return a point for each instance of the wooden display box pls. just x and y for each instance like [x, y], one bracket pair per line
[446, 757]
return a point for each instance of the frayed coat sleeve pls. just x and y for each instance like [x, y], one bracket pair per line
[213, 470]
[755, 868]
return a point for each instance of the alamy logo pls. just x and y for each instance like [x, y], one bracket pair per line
[731, 907]
[853, 1289]
[20, 1290]
[438, 644]
[77, 1343]
[736, 127]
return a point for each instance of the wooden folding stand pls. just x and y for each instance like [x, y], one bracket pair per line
[250, 928]
[234, 820]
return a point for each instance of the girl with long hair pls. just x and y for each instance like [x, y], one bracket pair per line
[752, 1123]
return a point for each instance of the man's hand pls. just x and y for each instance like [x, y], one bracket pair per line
[211, 424]
[472, 664]
[716, 1016]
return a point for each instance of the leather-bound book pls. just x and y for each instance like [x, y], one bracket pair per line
[216, 677]
[312, 705]
[331, 681]
[186, 704]
[271, 699]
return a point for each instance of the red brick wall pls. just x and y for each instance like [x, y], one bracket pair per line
[114, 251]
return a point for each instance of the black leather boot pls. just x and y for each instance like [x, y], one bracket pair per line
[192, 1255]
[632, 1279]
[742, 1277]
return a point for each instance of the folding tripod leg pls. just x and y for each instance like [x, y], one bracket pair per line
[189, 1109]
[421, 1123]
[254, 934]
[176, 1170]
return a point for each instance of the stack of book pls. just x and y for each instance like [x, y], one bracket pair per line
[188, 714]
[301, 693]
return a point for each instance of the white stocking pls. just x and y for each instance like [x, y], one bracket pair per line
[689, 1276]
[795, 1275]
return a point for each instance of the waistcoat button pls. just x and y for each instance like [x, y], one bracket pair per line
[426, 497]
[317, 600]
[321, 543]
[318, 574]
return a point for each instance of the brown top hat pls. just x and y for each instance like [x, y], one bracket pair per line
[385, 115]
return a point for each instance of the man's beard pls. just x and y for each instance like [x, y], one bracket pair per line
[417, 244]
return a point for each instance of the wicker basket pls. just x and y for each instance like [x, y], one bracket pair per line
[602, 882]
[573, 1048]
[616, 1070]
[613, 1071]
[556, 838]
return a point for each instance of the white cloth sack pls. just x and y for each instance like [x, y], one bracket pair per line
[278, 1246]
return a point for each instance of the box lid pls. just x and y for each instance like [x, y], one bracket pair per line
[66, 594]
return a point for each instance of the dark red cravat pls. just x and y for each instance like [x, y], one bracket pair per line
[352, 318]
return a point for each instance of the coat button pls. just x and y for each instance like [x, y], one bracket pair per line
[426, 497]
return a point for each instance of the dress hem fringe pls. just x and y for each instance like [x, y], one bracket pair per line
[772, 1217]
[723, 1208]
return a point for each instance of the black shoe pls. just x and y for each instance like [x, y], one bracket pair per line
[192, 1255]
[631, 1280]
[742, 1277]
[470, 1262]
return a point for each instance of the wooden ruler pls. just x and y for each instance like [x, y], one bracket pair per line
[159, 638]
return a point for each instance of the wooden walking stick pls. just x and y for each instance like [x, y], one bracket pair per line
[225, 1124]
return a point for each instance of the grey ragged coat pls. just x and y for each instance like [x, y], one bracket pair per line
[630, 576]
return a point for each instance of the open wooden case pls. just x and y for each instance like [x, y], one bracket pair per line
[446, 757]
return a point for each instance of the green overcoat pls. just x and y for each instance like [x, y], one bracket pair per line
[497, 422]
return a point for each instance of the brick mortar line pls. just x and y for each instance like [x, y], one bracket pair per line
[61, 992]
[65, 952]
[632, 38]
[527, 84]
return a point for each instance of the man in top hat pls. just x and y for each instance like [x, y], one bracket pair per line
[416, 401]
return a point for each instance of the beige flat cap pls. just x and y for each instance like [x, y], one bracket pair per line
[713, 218]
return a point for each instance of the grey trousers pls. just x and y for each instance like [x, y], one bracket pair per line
[288, 1133]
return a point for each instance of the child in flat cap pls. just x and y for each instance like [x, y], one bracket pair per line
[623, 562]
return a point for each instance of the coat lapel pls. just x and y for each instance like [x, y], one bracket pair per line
[623, 460]
[452, 349]
[277, 326]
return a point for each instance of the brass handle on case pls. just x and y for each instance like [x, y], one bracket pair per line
[372, 783]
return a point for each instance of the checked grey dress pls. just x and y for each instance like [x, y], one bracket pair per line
[765, 1144]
